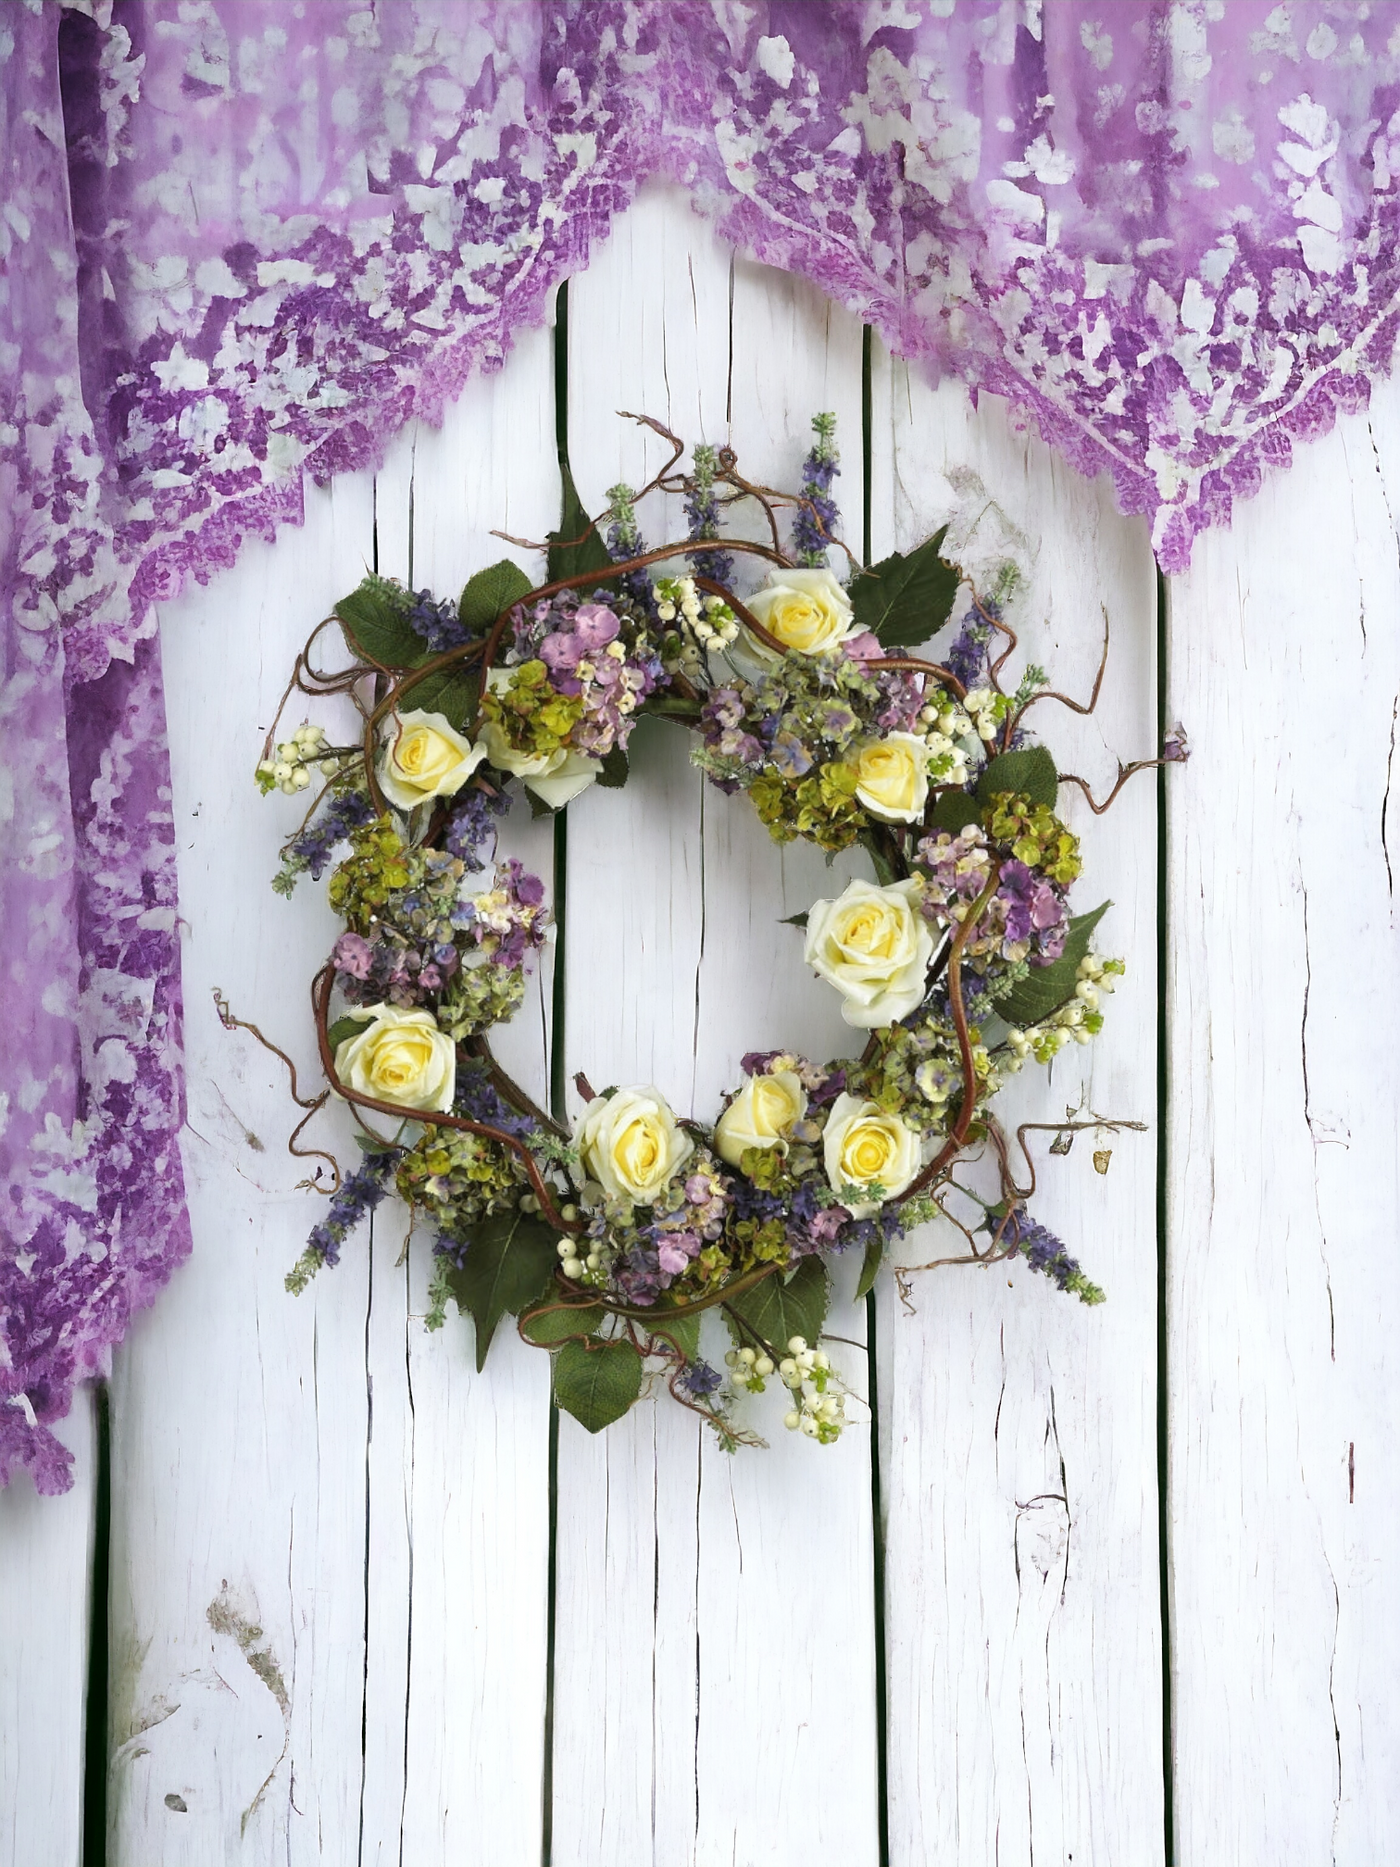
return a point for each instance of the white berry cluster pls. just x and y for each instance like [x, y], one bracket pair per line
[290, 770]
[574, 1267]
[807, 1372]
[987, 710]
[1077, 1022]
[942, 728]
[707, 619]
[817, 1413]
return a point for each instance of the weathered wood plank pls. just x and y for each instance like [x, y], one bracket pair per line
[238, 1413]
[45, 1582]
[1284, 1279]
[694, 1696]
[1017, 1427]
[359, 1496]
[459, 1522]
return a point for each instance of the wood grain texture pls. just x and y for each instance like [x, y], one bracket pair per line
[1284, 1278]
[46, 1547]
[330, 1538]
[239, 1414]
[698, 1709]
[1017, 1426]
[458, 1462]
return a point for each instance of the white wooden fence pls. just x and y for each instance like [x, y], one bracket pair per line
[364, 1605]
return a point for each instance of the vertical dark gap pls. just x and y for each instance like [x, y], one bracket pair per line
[877, 1509]
[867, 440]
[407, 1343]
[557, 1110]
[1163, 1164]
[364, 1630]
[95, 1710]
[413, 464]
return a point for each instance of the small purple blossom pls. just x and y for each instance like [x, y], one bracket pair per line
[699, 1380]
[437, 622]
[470, 826]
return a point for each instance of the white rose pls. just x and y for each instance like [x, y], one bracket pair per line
[555, 777]
[761, 1115]
[863, 1146]
[874, 946]
[631, 1144]
[425, 757]
[892, 777]
[805, 609]
[400, 1057]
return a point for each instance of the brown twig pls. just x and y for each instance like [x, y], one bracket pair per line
[321, 994]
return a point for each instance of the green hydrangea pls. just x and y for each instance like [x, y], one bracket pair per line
[459, 1178]
[535, 719]
[1036, 835]
[476, 997]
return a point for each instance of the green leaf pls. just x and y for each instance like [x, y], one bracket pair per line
[796, 920]
[453, 693]
[548, 1326]
[570, 551]
[1028, 773]
[953, 812]
[376, 620]
[498, 587]
[1045, 988]
[507, 1265]
[538, 807]
[885, 871]
[908, 597]
[777, 1310]
[683, 1331]
[597, 1385]
[344, 1029]
[870, 1268]
[612, 771]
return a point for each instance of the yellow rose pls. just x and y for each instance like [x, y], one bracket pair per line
[630, 1143]
[400, 1057]
[863, 1146]
[874, 946]
[424, 757]
[805, 609]
[892, 777]
[761, 1115]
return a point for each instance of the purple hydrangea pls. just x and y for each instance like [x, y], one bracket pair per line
[470, 826]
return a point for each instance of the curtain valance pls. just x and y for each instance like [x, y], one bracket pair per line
[243, 241]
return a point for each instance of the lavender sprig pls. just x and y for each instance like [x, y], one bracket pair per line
[815, 525]
[309, 850]
[625, 541]
[702, 510]
[356, 1197]
[1048, 1255]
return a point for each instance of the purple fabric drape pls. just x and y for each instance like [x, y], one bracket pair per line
[243, 241]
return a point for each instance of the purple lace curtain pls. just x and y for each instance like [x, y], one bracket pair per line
[242, 241]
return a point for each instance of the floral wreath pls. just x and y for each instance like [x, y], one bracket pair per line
[959, 961]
